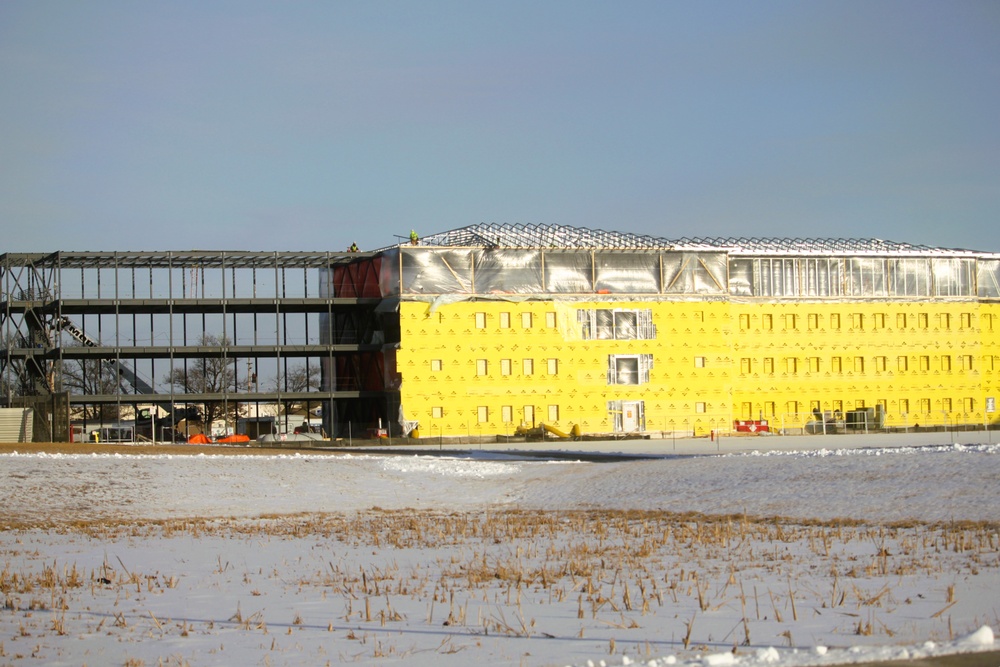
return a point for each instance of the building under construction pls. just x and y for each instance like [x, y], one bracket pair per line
[190, 336]
[491, 330]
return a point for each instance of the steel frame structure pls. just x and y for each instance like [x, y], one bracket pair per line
[486, 235]
[263, 313]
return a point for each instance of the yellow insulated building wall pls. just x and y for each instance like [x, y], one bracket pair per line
[690, 367]
[915, 363]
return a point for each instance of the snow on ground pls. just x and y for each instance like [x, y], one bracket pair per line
[778, 557]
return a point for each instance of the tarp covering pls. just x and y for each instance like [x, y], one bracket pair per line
[506, 271]
[469, 272]
[989, 279]
[861, 277]
[694, 273]
[436, 271]
[569, 272]
[626, 272]
[522, 271]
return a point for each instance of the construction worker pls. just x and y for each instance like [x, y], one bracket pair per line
[353, 248]
[414, 239]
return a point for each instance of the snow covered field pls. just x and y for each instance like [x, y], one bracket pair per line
[783, 557]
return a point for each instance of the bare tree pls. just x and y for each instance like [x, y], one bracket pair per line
[208, 375]
[298, 378]
[89, 377]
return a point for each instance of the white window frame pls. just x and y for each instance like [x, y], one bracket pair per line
[644, 363]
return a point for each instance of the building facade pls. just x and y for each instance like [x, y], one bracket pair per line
[490, 330]
[508, 327]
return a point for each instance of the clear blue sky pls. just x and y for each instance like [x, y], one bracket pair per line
[308, 125]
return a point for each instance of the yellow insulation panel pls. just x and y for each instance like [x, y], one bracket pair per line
[487, 367]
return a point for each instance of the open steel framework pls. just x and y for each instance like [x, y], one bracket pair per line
[146, 316]
[566, 237]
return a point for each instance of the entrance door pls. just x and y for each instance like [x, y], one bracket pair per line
[631, 416]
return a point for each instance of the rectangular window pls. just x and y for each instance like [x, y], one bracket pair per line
[838, 406]
[925, 406]
[698, 316]
[859, 364]
[699, 407]
[528, 366]
[814, 364]
[746, 411]
[835, 321]
[946, 405]
[813, 321]
[769, 365]
[791, 365]
[878, 321]
[436, 365]
[506, 413]
[792, 407]
[881, 364]
[480, 320]
[900, 320]
[629, 368]
[904, 406]
[857, 321]
[526, 320]
[922, 320]
[505, 367]
[946, 362]
[966, 362]
[987, 321]
[902, 364]
[699, 362]
[437, 412]
[745, 365]
[925, 363]
[944, 321]
[767, 322]
[481, 367]
[966, 320]
[529, 414]
[859, 404]
[769, 409]
[620, 324]
[744, 322]
[553, 413]
[968, 405]
[836, 365]
[550, 320]
[791, 322]
[989, 363]
[553, 365]
[505, 320]
[483, 414]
